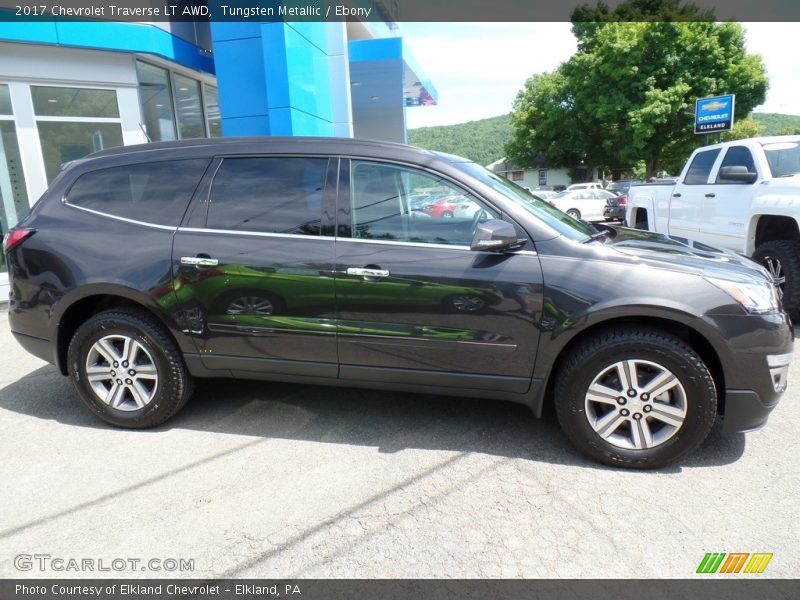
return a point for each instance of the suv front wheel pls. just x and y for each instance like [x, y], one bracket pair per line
[635, 397]
[127, 369]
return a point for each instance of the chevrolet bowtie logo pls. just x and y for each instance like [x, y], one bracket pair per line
[714, 105]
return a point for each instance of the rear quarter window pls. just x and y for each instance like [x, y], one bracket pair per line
[153, 192]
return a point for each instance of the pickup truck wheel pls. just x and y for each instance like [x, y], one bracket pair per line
[127, 369]
[635, 397]
[782, 259]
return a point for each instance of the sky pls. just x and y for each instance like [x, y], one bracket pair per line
[478, 68]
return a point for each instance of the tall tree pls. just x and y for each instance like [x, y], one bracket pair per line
[628, 94]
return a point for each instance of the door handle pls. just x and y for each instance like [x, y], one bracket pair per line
[365, 272]
[676, 195]
[711, 195]
[199, 261]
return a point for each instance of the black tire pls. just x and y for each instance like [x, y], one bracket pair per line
[782, 257]
[574, 213]
[596, 356]
[173, 386]
[641, 221]
[448, 214]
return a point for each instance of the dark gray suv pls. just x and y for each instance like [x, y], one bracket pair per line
[144, 269]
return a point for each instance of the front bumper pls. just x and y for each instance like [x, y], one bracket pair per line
[755, 352]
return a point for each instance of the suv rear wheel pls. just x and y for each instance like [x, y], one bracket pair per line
[127, 369]
[635, 397]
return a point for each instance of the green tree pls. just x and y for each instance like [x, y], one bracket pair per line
[629, 92]
[745, 128]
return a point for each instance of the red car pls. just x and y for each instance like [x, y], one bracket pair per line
[443, 207]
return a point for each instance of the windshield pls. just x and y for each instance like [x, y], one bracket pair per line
[556, 219]
[783, 158]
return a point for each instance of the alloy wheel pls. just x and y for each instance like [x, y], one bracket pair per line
[636, 404]
[121, 372]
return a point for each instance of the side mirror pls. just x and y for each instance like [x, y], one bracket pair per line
[737, 174]
[495, 236]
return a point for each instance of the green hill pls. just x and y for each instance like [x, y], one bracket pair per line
[776, 124]
[483, 141]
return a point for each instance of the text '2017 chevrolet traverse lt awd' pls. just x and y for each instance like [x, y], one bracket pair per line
[144, 268]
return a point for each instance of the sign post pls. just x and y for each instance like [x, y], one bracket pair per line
[714, 114]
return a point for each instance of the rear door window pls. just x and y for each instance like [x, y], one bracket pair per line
[700, 169]
[153, 192]
[268, 195]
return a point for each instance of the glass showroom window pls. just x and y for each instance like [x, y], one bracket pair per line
[212, 111]
[74, 122]
[176, 106]
[13, 197]
[189, 107]
[155, 93]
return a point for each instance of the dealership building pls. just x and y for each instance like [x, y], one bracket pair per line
[70, 88]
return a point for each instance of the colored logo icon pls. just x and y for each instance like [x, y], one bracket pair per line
[734, 562]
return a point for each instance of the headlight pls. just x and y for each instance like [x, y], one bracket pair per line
[756, 297]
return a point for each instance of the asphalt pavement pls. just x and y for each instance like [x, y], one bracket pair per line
[255, 479]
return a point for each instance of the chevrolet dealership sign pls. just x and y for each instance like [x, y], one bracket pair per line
[712, 115]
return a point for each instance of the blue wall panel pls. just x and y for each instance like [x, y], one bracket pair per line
[289, 78]
[110, 35]
[257, 125]
[42, 32]
[244, 92]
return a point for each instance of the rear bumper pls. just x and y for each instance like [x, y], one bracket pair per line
[39, 347]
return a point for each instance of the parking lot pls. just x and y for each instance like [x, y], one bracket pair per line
[275, 480]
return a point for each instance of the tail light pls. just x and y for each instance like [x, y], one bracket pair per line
[623, 201]
[15, 237]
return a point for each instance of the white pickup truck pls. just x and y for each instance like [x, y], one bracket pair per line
[742, 195]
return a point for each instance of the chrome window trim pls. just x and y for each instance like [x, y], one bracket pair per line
[338, 239]
[425, 245]
[255, 233]
[402, 243]
[118, 218]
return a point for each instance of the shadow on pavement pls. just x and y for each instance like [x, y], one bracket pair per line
[389, 421]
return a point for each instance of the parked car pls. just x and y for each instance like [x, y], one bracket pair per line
[582, 204]
[740, 195]
[444, 206]
[615, 208]
[622, 186]
[544, 194]
[146, 268]
[592, 185]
